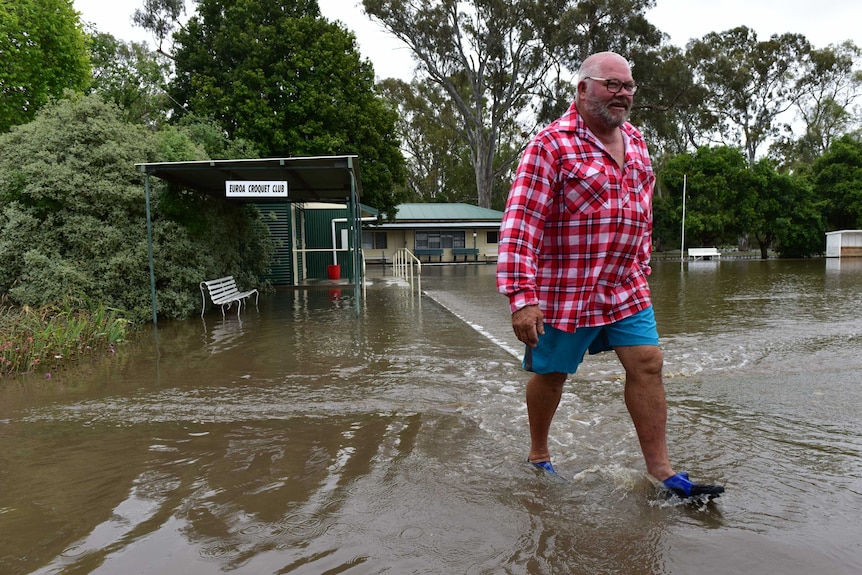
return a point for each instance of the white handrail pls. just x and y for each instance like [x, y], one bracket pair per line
[403, 263]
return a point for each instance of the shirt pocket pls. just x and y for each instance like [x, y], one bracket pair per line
[638, 182]
[586, 188]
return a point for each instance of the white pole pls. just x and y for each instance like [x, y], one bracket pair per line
[334, 251]
[682, 245]
[334, 236]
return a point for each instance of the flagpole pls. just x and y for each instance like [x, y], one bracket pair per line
[682, 244]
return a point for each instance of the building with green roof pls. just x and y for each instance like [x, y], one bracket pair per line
[435, 232]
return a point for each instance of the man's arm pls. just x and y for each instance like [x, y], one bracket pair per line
[521, 235]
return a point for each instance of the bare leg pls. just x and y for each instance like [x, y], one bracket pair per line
[645, 400]
[543, 396]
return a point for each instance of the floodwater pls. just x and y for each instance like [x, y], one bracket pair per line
[315, 436]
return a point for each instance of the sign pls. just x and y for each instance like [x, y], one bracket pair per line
[255, 189]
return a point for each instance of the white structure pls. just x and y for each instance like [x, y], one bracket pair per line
[844, 244]
[703, 253]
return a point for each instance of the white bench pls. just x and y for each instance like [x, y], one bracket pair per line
[703, 253]
[491, 255]
[223, 292]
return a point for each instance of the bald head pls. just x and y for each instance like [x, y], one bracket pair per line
[597, 64]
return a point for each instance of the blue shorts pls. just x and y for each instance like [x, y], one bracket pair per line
[562, 352]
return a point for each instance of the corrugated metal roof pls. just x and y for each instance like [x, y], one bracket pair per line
[457, 225]
[319, 178]
[445, 212]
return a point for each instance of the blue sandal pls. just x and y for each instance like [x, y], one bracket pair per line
[684, 487]
[543, 466]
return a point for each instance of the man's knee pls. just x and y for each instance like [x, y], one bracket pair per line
[642, 360]
[653, 360]
[549, 380]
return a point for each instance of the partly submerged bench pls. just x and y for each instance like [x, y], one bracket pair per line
[703, 253]
[465, 252]
[377, 259]
[419, 252]
[223, 292]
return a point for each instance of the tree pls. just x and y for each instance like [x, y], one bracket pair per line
[668, 107]
[832, 85]
[43, 52]
[488, 59]
[804, 229]
[837, 180]
[161, 18]
[749, 83]
[213, 140]
[712, 177]
[438, 162]
[779, 212]
[281, 76]
[132, 76]
[727, 199]
[72, 216]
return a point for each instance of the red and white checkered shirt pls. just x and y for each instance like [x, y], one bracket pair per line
[575, 236]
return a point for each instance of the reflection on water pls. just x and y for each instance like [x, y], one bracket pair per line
[304, 438]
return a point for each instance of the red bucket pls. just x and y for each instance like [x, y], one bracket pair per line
[334, 271]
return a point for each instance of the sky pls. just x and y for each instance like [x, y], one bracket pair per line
[823, 22]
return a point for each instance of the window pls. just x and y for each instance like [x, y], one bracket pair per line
[492, 237]
[440, 239]
[373, 240]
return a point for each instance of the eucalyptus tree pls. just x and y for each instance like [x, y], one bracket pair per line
[832, 87]
[43, 52]
[162, 18]
[437, 159]
[486, 55]
[750, 84]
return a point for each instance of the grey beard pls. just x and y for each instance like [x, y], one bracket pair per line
[600, 110]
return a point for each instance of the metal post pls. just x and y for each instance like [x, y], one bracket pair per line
[150, 247]
[354, 214]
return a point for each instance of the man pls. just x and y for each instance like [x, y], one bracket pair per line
[574, 257]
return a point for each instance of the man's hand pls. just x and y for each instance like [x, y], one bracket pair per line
[528, 325]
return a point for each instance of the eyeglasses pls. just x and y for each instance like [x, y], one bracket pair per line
[614, 86]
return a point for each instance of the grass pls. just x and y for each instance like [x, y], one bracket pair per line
[41, 339]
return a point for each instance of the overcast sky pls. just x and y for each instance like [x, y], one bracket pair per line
[823, 22]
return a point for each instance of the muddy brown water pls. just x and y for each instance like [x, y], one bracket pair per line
[315, 436]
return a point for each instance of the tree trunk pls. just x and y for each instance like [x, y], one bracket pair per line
[483, 164]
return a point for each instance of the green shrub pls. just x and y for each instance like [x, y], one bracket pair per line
[73, 217]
